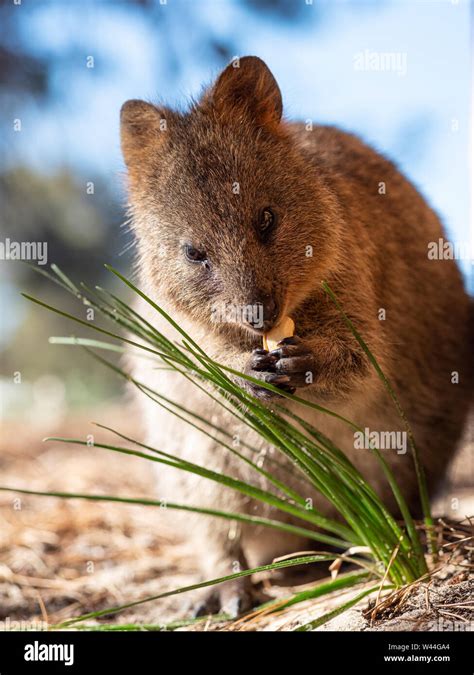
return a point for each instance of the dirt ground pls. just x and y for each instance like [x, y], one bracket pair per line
[61, 558]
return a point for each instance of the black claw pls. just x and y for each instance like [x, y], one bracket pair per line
[292, 340]
[279, 353]
[264, 362]
[260, 351]
[265, 395]
[277, 379]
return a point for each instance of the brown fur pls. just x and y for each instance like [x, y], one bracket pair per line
[370, 247]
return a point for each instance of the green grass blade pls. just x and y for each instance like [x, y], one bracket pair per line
[320, 621]
[319, 590]
[153, 627]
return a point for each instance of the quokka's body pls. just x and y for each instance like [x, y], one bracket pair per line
[231, 205]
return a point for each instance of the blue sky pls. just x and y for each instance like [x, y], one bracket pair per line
[420, 118]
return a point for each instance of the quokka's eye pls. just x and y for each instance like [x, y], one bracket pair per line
[194, 255]
[267, 220]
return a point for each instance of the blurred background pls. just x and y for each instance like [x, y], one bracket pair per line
[66, 66]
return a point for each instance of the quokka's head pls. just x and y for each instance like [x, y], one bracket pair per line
[233, 221]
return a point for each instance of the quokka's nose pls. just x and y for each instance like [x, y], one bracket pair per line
[261, 314]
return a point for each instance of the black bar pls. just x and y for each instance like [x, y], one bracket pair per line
[152, 651]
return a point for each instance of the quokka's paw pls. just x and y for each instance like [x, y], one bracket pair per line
[262, 366]
[294, 360]
[289, 367]
[233, 599]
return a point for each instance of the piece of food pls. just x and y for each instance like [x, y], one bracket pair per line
[286, 328]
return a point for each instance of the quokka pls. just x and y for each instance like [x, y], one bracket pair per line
[233, 205]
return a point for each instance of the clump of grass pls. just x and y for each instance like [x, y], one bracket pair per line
[388, 551]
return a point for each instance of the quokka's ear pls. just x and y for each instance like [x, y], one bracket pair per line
[247, 88]
[143, 126]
